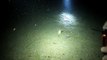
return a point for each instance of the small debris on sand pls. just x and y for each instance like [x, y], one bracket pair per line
[54, 43]
[60, 32]
[48, 56]
[63, 54]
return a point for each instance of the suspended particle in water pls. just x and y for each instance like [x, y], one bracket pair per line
[35, 25]
[14, 29]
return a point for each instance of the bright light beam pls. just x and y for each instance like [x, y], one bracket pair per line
[67, 5]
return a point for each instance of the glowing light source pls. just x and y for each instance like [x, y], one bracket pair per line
[67, 19]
